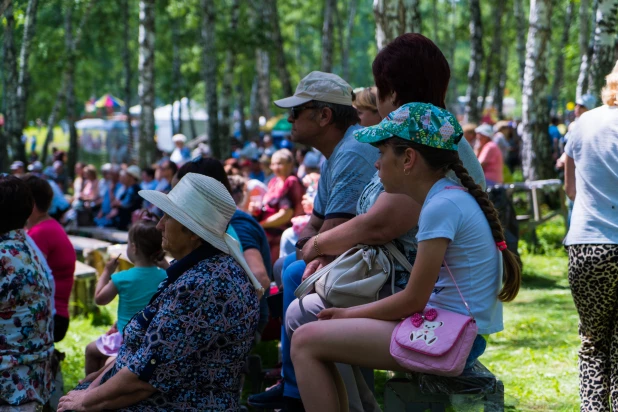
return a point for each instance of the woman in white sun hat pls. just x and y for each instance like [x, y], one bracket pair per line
[186, 349]
[181, 154]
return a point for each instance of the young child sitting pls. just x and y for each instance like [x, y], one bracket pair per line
[134, 288]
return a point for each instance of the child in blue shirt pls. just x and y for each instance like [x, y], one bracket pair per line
[134, 287]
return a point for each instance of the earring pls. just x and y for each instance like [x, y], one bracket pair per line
[406, 172]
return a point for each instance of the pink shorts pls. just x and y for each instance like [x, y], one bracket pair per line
[109, 345]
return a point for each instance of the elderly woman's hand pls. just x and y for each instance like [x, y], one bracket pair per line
[73, 401]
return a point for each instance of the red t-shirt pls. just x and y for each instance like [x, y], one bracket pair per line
[51, 238]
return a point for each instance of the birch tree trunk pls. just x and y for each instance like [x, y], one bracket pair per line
[210, 63]
[244, 133]
[228, 83]
[386, 14]
[520, 35]
[494, 62]
[146, 88]
[559, 66]
[126, 65]
[10, 87]
[586, 50]
[413, 21]
[70, 89]
[603, 57]
[452, 94]
[263, 83]
[476, 60]
[254, 105]
[347, 44]
[176, 78]
[327, 36]
[537, 158]
[67, 74]
[282, 66]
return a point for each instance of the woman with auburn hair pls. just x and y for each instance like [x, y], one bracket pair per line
[591, 178]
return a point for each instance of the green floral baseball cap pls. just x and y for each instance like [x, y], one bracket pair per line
[422, 123]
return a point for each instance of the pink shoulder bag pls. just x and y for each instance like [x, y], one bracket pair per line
[435, 341]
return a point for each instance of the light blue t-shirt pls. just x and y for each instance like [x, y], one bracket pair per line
[472, 256]
[135, 288]
[343, 177]
[593, 144]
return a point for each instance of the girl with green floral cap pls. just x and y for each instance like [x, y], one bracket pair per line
[458, 225]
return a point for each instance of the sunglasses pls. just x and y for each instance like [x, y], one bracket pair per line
[295, 111]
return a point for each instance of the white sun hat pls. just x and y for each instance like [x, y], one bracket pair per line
[485, 129]
[204, 206]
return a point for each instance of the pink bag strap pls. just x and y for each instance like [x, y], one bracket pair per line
[462, 298]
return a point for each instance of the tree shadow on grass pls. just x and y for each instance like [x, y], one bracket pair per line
[531, 280]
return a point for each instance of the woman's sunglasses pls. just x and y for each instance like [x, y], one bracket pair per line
[295, 111]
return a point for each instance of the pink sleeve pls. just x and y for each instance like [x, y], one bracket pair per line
[38, 235]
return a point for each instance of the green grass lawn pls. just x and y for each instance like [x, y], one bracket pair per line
[535, 356]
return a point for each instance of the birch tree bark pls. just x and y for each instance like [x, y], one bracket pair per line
[127, 72]
[586, 47]
[536, 156]
[70, 88]
[413, 21]
[210, 63]
[18, 77]
[262, 63]
[282, 66]
[327, 36]
[244, 133]
[68, 73]
[146, 88]
[476, 60]
[228, 82]
[520, 35]
[10, 87]
[603, 57]
[564, 40]
[347, 44]
[386, 14]
[176, 78]
[494, 62]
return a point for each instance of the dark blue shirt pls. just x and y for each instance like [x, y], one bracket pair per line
[190, 342]
[252, 236]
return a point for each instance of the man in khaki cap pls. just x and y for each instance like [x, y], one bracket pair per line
[323, 117]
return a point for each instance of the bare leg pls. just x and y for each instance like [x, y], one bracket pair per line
[315, 346]
[95, 360]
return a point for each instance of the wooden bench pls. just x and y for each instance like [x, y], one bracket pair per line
[535, 190]
[475, 389]
[90, 251]
[82, 295]
[101, 233]
[125, 263]
[27, 407]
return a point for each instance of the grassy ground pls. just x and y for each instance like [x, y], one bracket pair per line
[535, 356]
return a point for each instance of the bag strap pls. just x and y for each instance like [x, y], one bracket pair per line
[305, 287]
[462, 298]
[398, 256]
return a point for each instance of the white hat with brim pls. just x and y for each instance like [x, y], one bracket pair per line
[204, 206]
[321, 87]
[485, 130]
[135, 171]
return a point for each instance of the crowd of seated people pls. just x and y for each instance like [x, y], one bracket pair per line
[184, 329]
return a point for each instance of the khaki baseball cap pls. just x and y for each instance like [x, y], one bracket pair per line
[320, 86]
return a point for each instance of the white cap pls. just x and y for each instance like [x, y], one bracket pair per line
[179, 138]
[319, 86]
[134, 171]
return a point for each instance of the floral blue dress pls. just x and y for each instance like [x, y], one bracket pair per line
[26, 321]
[191, 340]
